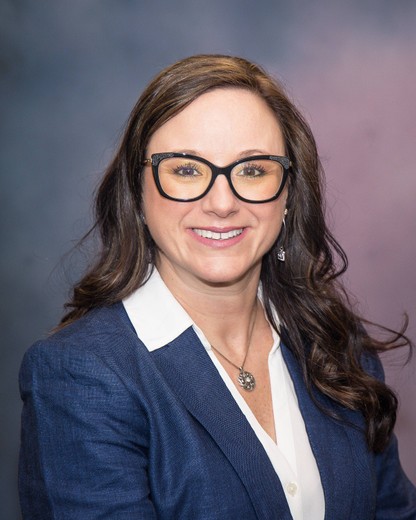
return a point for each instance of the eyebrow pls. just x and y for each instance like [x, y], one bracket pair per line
[241, 155]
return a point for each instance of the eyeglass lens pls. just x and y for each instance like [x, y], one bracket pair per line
[186, 178]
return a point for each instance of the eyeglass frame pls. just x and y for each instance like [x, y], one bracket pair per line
[157, 158]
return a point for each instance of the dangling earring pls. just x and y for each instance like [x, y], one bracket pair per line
[281, 254]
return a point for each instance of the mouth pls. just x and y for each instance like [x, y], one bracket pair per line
[215, 235]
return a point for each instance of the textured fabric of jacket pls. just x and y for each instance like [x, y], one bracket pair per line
[113, 431]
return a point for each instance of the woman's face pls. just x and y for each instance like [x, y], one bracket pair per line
[222, 126]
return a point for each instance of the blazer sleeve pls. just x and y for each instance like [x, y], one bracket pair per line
[396, 495]
[84, 439]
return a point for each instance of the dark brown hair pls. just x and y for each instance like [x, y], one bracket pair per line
[327, 337]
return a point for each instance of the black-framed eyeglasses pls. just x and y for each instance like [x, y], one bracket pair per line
[185, 178]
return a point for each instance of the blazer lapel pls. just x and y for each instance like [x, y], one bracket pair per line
[190, 373]
[329, 441]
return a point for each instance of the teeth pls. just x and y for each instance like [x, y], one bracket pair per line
[205, 233]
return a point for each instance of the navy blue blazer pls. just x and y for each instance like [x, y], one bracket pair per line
[113, 431]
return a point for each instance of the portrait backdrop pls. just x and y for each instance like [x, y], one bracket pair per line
[72, 71]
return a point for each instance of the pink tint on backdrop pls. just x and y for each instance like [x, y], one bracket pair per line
[360, 101]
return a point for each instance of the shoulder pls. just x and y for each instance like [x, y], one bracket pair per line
[100, 346]
[94, 329]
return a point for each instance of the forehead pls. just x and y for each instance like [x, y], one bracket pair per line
[221, 122]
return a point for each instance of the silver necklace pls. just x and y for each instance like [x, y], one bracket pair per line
[245, 379]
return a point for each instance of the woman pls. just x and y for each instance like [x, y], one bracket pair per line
[210, 366]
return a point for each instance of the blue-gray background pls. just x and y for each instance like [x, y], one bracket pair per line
[71, 72]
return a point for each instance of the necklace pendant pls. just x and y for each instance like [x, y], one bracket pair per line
[246, 380]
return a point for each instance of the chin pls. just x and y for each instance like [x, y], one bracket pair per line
[222, 277]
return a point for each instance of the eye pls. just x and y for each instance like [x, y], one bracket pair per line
[251, 170]
[187, 170]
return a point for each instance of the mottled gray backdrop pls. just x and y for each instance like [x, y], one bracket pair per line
[71, 72]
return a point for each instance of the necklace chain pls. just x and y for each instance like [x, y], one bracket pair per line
[245, 379]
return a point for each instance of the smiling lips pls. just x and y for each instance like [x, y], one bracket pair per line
[214, 235]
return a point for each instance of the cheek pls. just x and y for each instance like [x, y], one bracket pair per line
[273, 215]
[151, 209]
[150, 198]
[272, 222]
[162, 215]
[274, 230]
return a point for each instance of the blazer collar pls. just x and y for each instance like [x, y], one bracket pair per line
[206, 397]
[329, 439]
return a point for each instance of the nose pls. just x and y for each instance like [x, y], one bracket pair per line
[220, 199]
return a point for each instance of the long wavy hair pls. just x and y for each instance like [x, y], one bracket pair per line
[327, 336]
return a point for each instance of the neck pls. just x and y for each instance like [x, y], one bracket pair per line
[226, 313]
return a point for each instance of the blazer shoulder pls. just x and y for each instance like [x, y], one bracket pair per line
[103, 339]
[99, 324]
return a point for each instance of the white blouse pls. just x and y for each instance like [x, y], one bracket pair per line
[158, 318]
